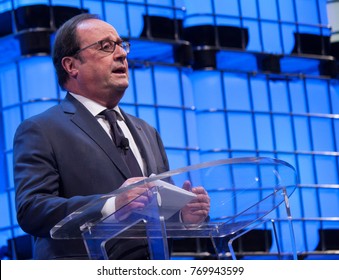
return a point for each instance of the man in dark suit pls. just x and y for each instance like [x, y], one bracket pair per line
[65, 157]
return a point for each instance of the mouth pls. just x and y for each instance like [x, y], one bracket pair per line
[120, 70]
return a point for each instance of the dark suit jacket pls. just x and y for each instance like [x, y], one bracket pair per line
[64, 159]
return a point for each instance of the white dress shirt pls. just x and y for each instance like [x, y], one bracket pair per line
[95, 109]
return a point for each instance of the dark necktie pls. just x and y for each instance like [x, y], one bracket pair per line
[122, 143]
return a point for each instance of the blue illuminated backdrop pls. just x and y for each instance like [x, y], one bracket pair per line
[259, 71]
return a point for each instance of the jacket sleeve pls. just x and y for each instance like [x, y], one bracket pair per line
[37, 181]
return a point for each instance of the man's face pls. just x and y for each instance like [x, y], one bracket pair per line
[101, 76]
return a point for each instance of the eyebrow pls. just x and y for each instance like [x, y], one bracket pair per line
[118, 40]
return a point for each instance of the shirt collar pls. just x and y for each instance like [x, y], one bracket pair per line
[93, 107]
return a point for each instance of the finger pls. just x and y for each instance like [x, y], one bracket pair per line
[136, 194]
[201, 198]
[126, 211]
[199, 190]
[145, 199]
[187, 186]
[138, 191]
[202, 203]
[137, 205]
[201, 213]
[197, 206]
[131, 181]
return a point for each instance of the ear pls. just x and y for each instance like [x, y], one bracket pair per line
[70, 65]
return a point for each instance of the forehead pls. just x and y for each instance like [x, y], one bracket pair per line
[93, 30]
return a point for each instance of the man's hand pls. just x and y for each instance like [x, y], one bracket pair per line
[134, 199]
[197, 210]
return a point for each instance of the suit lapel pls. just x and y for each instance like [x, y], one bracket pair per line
[86, 122]
[142, 143]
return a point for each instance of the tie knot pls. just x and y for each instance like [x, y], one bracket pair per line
[110, 115]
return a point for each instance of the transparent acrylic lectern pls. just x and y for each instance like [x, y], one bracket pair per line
[243, 192]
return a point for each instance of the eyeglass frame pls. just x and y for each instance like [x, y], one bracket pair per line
[126, 46]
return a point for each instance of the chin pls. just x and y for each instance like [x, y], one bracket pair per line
[120, 89]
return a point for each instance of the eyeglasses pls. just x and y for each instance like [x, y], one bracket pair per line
[108, 46]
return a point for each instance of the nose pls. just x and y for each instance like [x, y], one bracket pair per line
[119, 53]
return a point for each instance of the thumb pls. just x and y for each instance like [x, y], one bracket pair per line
[187, 186]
